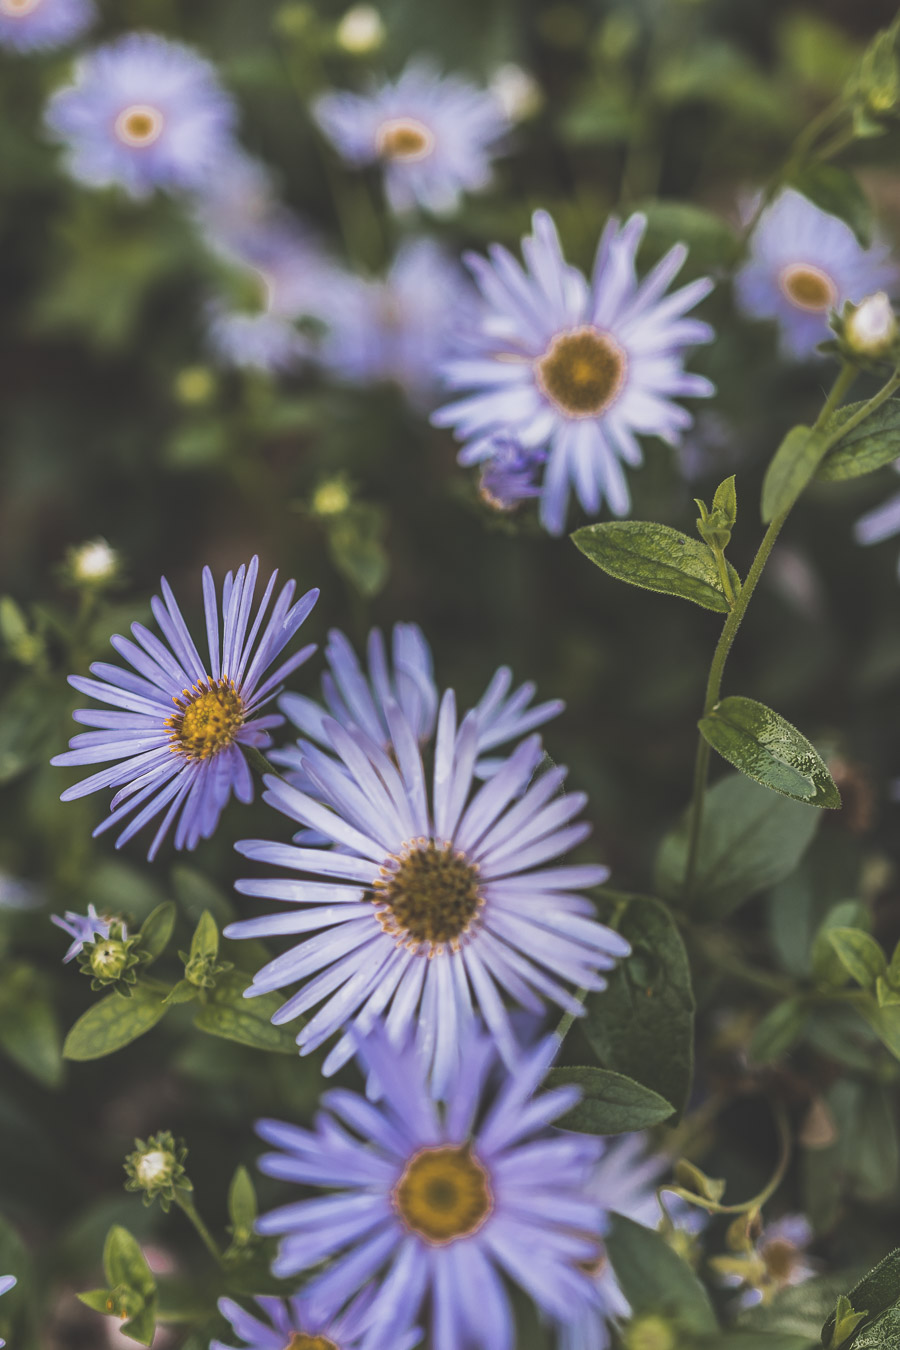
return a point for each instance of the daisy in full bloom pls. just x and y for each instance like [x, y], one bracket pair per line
[82, 928]
[143, 112]
[434, 135]
[7, 1282]
[581, 368]
[438, 1204]
[296, 1324]
[398, 329]
[803, 264]
[776, 1261]
[434, 902]
[40, 25]
[176, 725]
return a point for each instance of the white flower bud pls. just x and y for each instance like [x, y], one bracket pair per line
[518, 93]
[361, 30]
[153, 1168]
[872, 327]
[94, 562]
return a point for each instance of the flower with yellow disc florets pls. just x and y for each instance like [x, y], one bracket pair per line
[156, 1168]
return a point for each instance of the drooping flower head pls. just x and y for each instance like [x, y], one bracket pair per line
[580, 368]
[775, 1261]
[7, 1282]
[434, 135]
[143, 112]
[398, 329]
[82, 928]
[438, 1204]
[177, 725]
[41, 25]
[436, 900]
[509, 475]
[803, 264]
[297, 1324]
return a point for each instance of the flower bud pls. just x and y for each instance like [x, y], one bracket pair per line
[157, 1168]
[871, 329]
[517, 92]
[109, 959]
[361, 30]
[92, 564]
[194, 385]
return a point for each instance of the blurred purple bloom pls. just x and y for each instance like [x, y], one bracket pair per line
[298, 1320]
[508, 476]
[178, 725]
[40, 25]
[435, 901]
[143, 112]
[803, 264]
[580, 368]
[438, 1205]
[7, 1282]
[83, 928]
[434, 135]
[776, 1261]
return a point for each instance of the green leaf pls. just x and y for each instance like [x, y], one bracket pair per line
[876, 1292]
[838, 192]
[656, 558]
[883, 1334]
[642, 1025]
[242, 1207]
[827, 969]
[156, 931]
[182, 992]
[125, 1263]
[142, 1327]
[867, 447]
[247, 1021]
[96, 1299]
[766, 747]
[113, 1023]
[859, 954]
[751, 839]
[794, 464]
[610, 1102]
[781, 1028]
[725, 500]
[29, 1028]
[655, 1279]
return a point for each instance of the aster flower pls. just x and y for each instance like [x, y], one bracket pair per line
[83, 928]
[398, 329]
[178, 725]
[437, 1204]
[434, 135]
[581, 368]
[508, 475]
[433, 903]
[803, 264]
[297, 1322]
[41, 25]
[774, 1262]
[143, 112]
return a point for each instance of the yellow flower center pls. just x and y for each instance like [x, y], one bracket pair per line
[582, 371]
[208, 719]
[808, 287]
[404, 138]
[444, 1194]
[300, 1341]
[140, 125]
[428, 893]
[17, 9]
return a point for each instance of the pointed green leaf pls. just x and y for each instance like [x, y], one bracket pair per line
[610, 1102]
[142, 1327]
[245, 1020]
[242, 1207]
[859, 954]
[114, 1022]
[656, 558]
[97, 1299]
[156, 931]
[793, 465]
[125, 1263]
[869, 446]
[182, 992]
[767, 748]
[655, 1279]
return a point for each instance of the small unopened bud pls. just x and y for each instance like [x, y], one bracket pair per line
[331, 498]
[517, 92]
[154, 1168]
[93, 563]
[650, 1333]
[109, 959]
[871, 329]
[157, 1168]
[361, 30]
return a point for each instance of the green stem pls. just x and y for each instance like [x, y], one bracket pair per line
[186, 1205]
[568, 1019]
[756, 1202]
[842, 384]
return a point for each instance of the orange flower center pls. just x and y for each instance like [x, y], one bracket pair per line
[808, 287]
[139, 125]
[300, 1341]
[404, 138]
[208, 719]
[582, 371]
[444, 1194]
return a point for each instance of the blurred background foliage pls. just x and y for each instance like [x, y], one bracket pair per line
[115, 423]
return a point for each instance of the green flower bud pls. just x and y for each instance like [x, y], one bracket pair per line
[111, 961]
[360, 31]
[157, 1169]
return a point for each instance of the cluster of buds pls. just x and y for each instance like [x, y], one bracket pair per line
[156, 1168]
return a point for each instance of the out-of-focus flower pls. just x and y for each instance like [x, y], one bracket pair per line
[870, 329]
[434, 135]
[803, 264]
[83, 928]
[509, 476]
[398, 329]
[298, 1324]
[433, 901]
[437, 1204]
[518, 92]
[93, 565]
[17, 893]
[361, 30]
[774, 1261]
[882, 522]
[40, 25]
[7, 1282]
[582, 368]
[178, 725]
[145, 113]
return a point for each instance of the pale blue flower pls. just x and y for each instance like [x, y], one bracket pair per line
[803, 264]
[297, 1319]
[83, 928]
[580, 368]
[178, 725]
[42, 25]
[437, 1205]
[434, 135]
[143, 112]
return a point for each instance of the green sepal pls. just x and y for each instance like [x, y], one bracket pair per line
[610, 1102]
[113, 1023]
[793, 465]
[657, 558]
[99, 1300]
[767, 748]
[871, 445]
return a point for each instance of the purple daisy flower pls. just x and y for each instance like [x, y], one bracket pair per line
[399, 329]
[83, 928]
[432, 903]
[143, 112]
[438, 1205]
[40, 25]
[508, 476]
[177, 725]
[581, 368]
[803, 264]
[434, 135]
[298, 1323]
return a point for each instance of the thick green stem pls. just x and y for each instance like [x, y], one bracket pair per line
[186, 1205]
